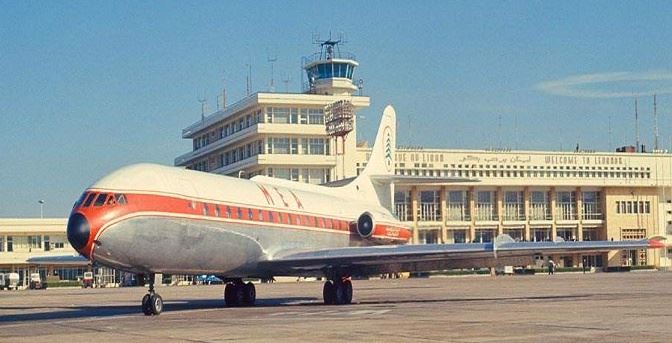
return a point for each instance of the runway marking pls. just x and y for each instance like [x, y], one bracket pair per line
[335, 313]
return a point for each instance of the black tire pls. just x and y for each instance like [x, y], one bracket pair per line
[347, 285]
[146, 308]
[156, 304]
[249, 294]
[329, 293]
[230, 295]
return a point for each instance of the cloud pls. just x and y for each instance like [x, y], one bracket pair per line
[602, 85]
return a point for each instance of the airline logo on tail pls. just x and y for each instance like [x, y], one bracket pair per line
[388, 148]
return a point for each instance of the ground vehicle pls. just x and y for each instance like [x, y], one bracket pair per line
[87, 280]
[12, 280]
[36, 282]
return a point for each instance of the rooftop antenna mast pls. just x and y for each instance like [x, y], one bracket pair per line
[223, 95]
[272, 61]
[637, 147]
[204, 106]
[249, 77]
[609, 126]
[655, 124]
[286, 80]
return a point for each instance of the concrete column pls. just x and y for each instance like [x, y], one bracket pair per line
[414, 209]
[526, 202]
[500, 210]
[472, 210]
[444, 228]
[579, 214]
[554, 215]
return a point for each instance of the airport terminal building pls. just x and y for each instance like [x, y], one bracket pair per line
[529, 195]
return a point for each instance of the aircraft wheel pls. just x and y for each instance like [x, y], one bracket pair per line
[343, 292]
[230, 295]
[329, 293]
[156, 304]
[249, 294]
[146, 308]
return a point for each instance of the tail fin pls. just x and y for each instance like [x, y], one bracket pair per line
[381, 162]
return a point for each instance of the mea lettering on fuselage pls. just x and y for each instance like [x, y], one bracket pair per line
[269, 196]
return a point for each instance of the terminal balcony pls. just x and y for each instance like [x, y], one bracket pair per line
[247, 134]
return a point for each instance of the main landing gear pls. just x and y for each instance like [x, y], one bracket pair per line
[152, 303]
[337, 291]
[237, 293]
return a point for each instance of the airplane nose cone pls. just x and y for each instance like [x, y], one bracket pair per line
[78, 231]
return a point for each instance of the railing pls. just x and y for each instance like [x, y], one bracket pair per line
[401, 211]
[565, 212]
[458, 212]
[486, 212]
[430, 211]
[540, 213]
[592, 216]
[513, 212]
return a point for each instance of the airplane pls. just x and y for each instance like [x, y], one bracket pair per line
[148, 218]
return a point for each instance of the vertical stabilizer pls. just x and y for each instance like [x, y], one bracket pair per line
[381, 162]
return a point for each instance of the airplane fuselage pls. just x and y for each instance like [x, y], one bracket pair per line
[155, 219]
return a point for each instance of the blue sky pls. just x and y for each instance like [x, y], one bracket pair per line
[87, 87]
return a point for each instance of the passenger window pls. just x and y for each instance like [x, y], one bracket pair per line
[89, 200]
[121, 199]
[100, 200]
[239, 213]
[261, 215]
[249, 214]
[217, 213]
[205, 209]
[228, 212]
[270, 216]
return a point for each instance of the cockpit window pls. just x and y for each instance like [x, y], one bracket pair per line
[100, 200]
[89, 199]
[121, 199]
[80, 200]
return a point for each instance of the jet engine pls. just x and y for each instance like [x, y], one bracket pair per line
[365, 225]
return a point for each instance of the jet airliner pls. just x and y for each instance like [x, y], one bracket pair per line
[148, 219]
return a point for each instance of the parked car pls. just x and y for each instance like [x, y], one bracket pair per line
[87, 280]
[12, 280]
[36, 282]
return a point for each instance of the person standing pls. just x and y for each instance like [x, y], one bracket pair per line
[551, 266]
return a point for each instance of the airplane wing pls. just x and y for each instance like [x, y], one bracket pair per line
[426, 257]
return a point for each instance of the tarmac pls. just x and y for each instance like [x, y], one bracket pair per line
[606, 307]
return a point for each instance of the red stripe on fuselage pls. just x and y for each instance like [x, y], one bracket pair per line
[100, 217]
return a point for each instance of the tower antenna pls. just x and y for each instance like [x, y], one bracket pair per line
[655, 124]
[286, 81]
[637, 147]
[272, 61]
[609, 125]
[204, 106]
[249, 77]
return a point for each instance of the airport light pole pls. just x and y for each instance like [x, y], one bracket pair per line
[41, 202]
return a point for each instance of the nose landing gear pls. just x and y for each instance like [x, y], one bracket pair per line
[152, 303]
[237, 293]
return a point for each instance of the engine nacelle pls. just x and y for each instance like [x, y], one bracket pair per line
[365, 225]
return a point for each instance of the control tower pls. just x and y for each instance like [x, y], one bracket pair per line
[330, 70]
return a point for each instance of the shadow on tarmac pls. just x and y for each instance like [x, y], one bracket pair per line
[76, 312]
[93, 311]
